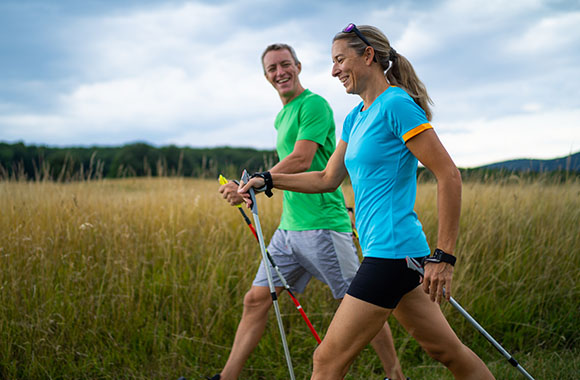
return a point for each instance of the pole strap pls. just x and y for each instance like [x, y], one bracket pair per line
[268, 184]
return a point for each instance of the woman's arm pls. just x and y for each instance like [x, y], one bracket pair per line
[298, 161]
[428, 149]
[309, 182]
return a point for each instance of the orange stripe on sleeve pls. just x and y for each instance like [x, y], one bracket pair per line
[415, 131]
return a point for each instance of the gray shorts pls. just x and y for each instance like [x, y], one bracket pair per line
[329, 256]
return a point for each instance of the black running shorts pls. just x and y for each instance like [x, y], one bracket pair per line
[383, 282]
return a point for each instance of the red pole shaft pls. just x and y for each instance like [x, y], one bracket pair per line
[296, 303]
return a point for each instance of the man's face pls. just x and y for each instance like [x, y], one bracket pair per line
[282, 72]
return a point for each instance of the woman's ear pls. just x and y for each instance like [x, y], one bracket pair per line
[369, 54]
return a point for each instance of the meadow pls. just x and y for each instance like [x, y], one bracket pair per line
[145, 278]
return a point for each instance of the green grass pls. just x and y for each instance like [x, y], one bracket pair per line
[144, 279]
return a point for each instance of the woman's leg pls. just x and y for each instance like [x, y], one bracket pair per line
[424, 320]
[353, 326]
[385, 348]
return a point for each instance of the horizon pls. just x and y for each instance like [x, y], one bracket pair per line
[256, 149]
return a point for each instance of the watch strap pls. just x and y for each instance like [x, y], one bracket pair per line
[440, 256]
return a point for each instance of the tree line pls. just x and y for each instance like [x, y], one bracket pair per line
[36, 162]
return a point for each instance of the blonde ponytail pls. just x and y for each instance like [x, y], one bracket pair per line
[403, 74]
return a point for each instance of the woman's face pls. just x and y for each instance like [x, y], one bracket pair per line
[347, 66]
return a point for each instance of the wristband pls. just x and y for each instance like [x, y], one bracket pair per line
[268, 184]
[439, 256]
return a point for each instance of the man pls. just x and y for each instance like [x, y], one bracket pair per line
[315, 233]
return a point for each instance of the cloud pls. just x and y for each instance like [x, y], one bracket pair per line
[189, 73]
[539, 134]
[166, 74]
[157, 70]
[547, 37]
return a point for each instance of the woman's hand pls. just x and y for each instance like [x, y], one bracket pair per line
[244, 189]
[437, 281]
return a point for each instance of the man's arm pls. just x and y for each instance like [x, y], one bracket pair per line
[299, 160]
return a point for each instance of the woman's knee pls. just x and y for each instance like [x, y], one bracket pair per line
[328, 364]
[321, 359]
[446, 354]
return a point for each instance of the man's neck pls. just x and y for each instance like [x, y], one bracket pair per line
[287, 99]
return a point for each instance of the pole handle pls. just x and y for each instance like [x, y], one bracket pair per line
[246, 179]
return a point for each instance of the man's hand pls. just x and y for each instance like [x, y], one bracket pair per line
[350, 211]
[438, 276]
[230, 193]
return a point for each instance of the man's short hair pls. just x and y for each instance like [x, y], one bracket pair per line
[280, 47]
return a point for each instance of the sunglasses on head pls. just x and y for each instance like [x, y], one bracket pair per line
[352, 28]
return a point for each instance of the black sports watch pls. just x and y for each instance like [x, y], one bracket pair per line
[268, 184]
[439, 256]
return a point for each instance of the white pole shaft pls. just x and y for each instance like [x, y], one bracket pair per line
[274, 295]
[414, 265]
[483, 332]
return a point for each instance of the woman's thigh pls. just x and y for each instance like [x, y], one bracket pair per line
[354, 325]
[424, 320]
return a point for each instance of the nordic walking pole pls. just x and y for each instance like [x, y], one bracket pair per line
[224, 181]
[246, 178]
[414, 265]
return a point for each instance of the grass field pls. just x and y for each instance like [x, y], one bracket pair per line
[144, 279]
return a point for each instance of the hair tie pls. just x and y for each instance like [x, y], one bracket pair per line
[393, 55]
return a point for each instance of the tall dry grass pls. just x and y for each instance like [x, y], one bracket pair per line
[144, 278]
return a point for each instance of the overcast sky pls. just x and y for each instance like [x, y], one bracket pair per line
[504, 75]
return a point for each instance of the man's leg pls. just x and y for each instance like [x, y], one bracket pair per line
[257, 302]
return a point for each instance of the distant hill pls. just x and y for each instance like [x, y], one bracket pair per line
[569, 163]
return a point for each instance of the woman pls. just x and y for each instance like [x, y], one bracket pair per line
[382, 139]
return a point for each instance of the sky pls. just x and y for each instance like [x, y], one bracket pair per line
[504, 75]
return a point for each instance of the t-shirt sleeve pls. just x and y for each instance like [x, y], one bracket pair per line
[316, 120]
[408, 118]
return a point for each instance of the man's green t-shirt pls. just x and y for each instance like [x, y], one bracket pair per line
[309, 117]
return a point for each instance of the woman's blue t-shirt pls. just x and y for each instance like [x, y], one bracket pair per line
[383, 173]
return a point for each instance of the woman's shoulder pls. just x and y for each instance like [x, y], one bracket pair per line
[396, 94]
[397, 99]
